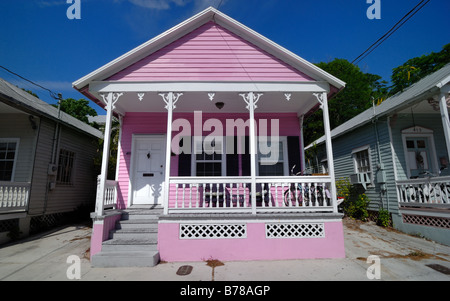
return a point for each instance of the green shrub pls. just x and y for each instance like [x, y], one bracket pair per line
[357, 207]
[355, 203]
[384, 219]
[344, 188]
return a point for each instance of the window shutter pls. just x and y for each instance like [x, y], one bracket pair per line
[246, 158]
[232, 158]
[184, 165]
[293, 144]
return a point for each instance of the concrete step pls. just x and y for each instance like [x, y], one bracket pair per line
[145, 207]
[150, 244]
[134, 242]
[143, 215]
[156, 210]
[133, 234]
[137, 223]
[125, 259]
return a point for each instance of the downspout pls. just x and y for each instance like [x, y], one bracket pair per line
[56, 137]
[380, 165]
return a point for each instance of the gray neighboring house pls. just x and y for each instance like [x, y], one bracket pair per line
[398, 153]
[46, 162]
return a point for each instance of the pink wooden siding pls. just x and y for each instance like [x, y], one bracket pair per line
[210, 53]
[255, 246]
[156, 123]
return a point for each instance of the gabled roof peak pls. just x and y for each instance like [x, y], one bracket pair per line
[203, 17]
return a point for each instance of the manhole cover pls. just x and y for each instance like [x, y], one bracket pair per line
[184, 270]
[439, 268]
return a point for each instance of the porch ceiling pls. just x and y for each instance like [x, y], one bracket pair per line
[270, 102]
[426, 106]
[144, 97]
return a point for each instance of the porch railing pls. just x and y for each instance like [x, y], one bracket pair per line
[425, 192]
[110, 197]
[231, 194]
[14, 196]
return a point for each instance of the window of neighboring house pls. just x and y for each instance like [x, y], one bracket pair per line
[65, 167]
[8, 156]
[209, 157]
[361, 160]
[272, 161]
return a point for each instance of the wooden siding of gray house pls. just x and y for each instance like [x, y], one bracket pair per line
[379, 153]
[63, 197]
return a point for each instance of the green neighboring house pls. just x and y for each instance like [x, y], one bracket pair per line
[398, 154]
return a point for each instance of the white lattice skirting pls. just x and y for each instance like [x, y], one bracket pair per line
[295, 230]
[212, 231]
[432, 221]
[273, 230]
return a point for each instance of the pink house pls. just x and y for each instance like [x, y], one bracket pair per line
[211, 117]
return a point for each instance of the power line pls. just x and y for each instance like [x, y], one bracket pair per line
[383, 38]
[52, 94]
[220, 3]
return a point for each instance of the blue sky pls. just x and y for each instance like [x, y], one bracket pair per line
[39, 42]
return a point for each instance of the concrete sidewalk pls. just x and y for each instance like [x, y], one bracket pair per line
[402, 257]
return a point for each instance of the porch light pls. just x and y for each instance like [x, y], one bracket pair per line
[219, 105]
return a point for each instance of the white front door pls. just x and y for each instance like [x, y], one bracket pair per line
[148, 171]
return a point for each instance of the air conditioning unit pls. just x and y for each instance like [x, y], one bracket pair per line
[362, 178]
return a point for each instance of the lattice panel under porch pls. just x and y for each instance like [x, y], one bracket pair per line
[212, 231]
[295, 230]
[432, 221]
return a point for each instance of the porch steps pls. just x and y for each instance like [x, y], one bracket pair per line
[133, 242]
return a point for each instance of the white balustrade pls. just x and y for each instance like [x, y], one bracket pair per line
[14, 196]
[207, 194]
[425, 192]
[231, 194]
[110, 196]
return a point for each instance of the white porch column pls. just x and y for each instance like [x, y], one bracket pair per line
[170, 99]
[445, 119]
[323, 99]
[301, 118]
[251, 99]
[110, 99]
[119, 147]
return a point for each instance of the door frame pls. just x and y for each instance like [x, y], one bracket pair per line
[134, 137]
[419, 132]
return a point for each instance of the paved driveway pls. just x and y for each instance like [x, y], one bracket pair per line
[54, 255]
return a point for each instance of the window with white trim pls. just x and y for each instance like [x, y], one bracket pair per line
[65, 167]
[8, 157]
[361, 159]
[272, 161]
[209, 157]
